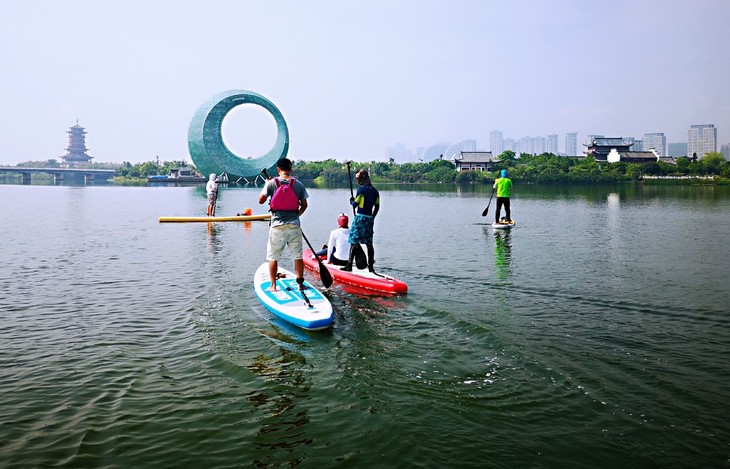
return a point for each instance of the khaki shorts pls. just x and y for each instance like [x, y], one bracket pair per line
[281, 236]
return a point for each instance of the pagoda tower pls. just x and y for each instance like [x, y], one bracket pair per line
[76, 150]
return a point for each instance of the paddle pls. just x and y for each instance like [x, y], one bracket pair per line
[360, 260]
[484, 213]
[324, 274]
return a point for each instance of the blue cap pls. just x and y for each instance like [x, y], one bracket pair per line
[503, 173]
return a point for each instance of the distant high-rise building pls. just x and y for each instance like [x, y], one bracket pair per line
[469, 144]
[496, 142]
[552, 144]
[701, 139]
[725, 150]
[508, 144]
[530, 146]
[677, 149]
[538, 145]
[657, 141]
[636, 144]
[591, 137]
[76, 149]
[524, 145]
[571, 144]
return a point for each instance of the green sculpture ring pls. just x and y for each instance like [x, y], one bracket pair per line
[205, 139]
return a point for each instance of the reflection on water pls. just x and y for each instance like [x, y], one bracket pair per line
[613, 221]
[503, 253]
[502, 250]
[214, 245]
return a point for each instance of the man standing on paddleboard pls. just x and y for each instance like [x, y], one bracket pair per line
[503, 185]
[367, 203]
[211, 188]
[288, 203]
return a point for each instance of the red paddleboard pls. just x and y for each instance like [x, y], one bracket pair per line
[362, 278]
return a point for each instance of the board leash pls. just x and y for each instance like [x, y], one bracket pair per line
[304, 297]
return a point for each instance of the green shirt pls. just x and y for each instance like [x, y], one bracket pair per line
[503, 186]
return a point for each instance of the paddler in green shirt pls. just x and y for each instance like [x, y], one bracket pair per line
[503, 185]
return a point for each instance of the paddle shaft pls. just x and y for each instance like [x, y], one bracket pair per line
[349, 179]
[484, 213]
[324, 274]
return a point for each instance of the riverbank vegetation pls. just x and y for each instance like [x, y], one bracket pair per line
[128, 171]
[544, 168]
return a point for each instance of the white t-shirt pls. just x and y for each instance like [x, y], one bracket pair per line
[338, 241]
[211, 187]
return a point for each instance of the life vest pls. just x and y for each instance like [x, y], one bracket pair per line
[284, 197]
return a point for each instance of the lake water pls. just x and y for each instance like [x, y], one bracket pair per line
[594, 334]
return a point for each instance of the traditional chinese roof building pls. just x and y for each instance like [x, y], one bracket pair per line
[600, 147]
[76, 150]
[474, 161]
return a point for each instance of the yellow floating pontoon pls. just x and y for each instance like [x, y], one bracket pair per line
[263, 216]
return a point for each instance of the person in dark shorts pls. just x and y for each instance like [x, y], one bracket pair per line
[367, 205]
[503, 186]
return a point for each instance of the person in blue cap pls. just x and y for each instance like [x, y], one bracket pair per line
[503, 186]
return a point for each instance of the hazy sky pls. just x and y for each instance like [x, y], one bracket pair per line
[354, 77]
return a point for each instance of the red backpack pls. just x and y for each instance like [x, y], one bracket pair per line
[284, 197]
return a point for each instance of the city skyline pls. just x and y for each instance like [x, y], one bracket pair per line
[498, 143]
[353, 79]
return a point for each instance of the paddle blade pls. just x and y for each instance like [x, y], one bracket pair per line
[361, 261]
[324, 275]
[484, 213]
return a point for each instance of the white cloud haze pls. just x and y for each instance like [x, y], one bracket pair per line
[353, 78]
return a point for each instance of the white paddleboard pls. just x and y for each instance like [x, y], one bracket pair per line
[309, 309]
[503, 226]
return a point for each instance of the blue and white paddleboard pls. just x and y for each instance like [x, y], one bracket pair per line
[309, 310]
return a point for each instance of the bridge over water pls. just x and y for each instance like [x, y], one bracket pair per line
[59, 174]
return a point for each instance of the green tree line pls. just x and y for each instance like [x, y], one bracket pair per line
[543, 168]
[148, 168]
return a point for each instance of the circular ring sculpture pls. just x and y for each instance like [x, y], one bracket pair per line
[205, 138]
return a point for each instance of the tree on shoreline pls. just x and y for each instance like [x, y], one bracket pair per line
[544, 168]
